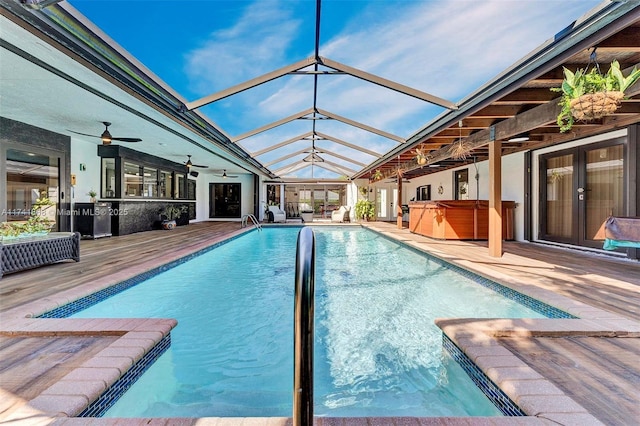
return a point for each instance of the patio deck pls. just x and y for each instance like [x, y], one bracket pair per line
[561, 371]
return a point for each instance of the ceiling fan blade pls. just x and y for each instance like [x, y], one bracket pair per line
[202, 167]
[83, 134]
[106, 134]
[127, 139]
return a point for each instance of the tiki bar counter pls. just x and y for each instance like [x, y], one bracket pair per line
[458, 219]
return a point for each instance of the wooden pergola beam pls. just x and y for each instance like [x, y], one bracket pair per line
[524, 122]
[495, 198]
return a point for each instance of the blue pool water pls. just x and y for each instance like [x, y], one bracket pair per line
[377, 351]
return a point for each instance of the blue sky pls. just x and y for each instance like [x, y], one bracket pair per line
[447, 48]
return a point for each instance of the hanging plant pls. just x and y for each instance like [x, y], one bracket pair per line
[377, 175]
[459, 150]
[421, 156]
[589, 95]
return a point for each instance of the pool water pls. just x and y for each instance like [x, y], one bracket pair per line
[377, 350]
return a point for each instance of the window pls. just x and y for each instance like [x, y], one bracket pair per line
[423, 193]
[132, 180]
[108, 178]
[191, 189]
[165, 184]
[150, 181]
[178, 191]
[131, 174]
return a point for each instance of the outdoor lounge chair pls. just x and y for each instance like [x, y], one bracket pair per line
[278, 215]
[622, 232]
[341, 215]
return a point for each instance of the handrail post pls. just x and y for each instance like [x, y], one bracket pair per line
[303, 329]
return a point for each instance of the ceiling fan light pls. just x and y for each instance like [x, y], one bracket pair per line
[106, 137]
[224, 174]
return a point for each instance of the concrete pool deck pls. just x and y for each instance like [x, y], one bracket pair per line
[559, 371]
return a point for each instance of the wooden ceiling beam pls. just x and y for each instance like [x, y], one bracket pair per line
[496, 111]
[527, 96]
[524, 122]
[624, 40]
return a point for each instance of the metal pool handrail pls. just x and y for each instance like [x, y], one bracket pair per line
[303, 328]
[245, 221]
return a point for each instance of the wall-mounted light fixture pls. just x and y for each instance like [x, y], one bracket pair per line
[522, 137]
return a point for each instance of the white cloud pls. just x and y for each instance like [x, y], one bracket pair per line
[445, 48]
[257, 43]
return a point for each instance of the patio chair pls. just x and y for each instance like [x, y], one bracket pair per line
[278, 214]
[622, 232]
[341, 215]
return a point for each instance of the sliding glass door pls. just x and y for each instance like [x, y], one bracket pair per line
[30, 175]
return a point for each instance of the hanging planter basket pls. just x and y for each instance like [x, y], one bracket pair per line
[589, 95]
[593, 106]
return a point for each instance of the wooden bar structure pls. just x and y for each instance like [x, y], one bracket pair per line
[458, 219]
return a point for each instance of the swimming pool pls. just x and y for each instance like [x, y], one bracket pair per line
[377, 350]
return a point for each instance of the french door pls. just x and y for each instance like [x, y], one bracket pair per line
[224, 200]
[386, 203]
[580, 187]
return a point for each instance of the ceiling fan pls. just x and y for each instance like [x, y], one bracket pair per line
[224, 175]
[189, 164]
[106, 136]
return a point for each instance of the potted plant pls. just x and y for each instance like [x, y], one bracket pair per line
[365, 210]
[169, 215]
[377, 175]
[92, 195]
[40, 221]
[588, 95]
